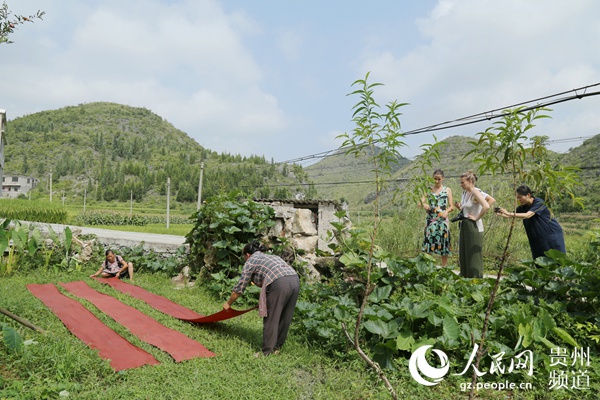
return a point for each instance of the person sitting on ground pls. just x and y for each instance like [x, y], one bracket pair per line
[114, 266]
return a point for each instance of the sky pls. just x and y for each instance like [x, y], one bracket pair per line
[272, 77]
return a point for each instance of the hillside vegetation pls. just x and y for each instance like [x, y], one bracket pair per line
[346, 177]
[114, 151]
[349, 178]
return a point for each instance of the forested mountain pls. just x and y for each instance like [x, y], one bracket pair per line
[112, 151]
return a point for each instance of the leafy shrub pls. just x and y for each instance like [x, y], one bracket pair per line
[154, 262]
[413, 303]
[221, 229]
[33, 211]
[120, 219]
[109, 218]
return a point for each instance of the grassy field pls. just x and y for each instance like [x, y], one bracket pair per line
[59, 361]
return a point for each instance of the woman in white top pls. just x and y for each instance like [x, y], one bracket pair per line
[474, 205]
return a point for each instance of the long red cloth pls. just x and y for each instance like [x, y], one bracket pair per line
[91, 331]
[169, 307]
[179, 346]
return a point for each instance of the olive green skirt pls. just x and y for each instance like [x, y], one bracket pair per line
[470, 254]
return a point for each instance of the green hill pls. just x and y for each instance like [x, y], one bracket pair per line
[346, 177]
[114, 151]
[349, 178]
[587, 158]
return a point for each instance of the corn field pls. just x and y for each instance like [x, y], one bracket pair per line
[33, 211]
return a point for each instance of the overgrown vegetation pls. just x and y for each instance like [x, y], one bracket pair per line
[222, 228]
[91, 218]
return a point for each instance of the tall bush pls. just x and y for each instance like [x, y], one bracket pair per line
[222, 227]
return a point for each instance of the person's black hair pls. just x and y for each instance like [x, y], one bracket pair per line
[253, 247]
[438, 172]
[524, 190]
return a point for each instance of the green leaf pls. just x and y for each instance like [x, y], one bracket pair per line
[477, 296]
[384, 329]
[380, 293]
[526, 331]
[350, 259]
[547, 343]
[405, 340]
[68, 238]
[564, 335]
[221, 244]
[451, 330]
[231, 229]
[12, 339]
[383, 354]
[424, 341]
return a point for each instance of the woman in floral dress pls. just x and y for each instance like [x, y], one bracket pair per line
[438, 204]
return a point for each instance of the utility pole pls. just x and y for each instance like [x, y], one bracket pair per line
[50, 186]
[200, 186]
[131, 204]
[168, 199]
[84, 198]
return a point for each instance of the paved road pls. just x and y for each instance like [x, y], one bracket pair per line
[151, 241]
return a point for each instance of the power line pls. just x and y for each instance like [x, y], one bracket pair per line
[316, 171]
[347, 183]
[549, 100]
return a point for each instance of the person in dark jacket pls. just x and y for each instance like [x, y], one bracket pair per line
[543, 231]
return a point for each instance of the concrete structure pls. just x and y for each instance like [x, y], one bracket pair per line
[14, 185]
[2, 140]
[304, 222]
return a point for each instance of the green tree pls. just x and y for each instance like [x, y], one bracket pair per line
[502, 149]
[9, 22]
[377, 137]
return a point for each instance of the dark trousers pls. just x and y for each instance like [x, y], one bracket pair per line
[282, 295]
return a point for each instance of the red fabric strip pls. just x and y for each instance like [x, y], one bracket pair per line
[179, 346]
[91, 331]
[169, 307]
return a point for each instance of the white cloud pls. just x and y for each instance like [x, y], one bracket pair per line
[482, 55]
[249, 77]
[184, 60]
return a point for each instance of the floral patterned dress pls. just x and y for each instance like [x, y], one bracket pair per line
[437, 228]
